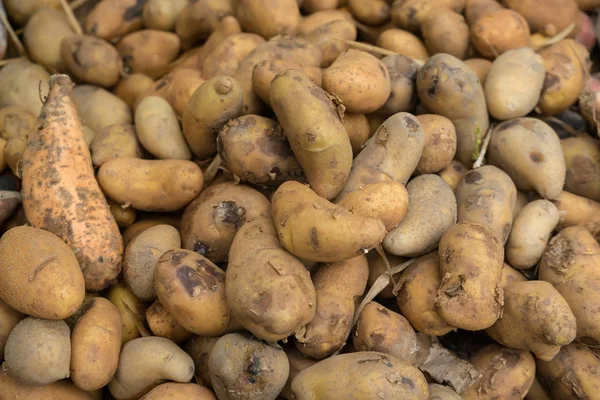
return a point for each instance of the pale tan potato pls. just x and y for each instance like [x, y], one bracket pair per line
[131, 308]
[9, 318]
[404, 43]
[357, 128]
[497, 32]
[439, 146]
[225, 58]
[373, 12]
[43, 36]
[446, 32]
[132, 86]
[582, 158]
[162, 14]
[378, 266]
[481, 67]
[21, 83]
[179, 391]
[92, 60]
[269, 18]
[98, 108]
[199, 348]
[161, 323]
[148, 51]
[403, 74]
[113, 141]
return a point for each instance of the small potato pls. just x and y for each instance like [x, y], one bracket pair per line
[481, 67]
[507, 373]
[374, 12]
[199, 348]
[124, 216]
[34, 261]
[114, 141]
[403, 74]
[535, 318]
[161, 323]
[582, 158]
[148, 51]
[548, 17]
[180, 391]
[140, 226]
[410, 14]
[158, 129]
[141, 256]
[192, 289]
[21, 86]
[298, 363]
[99, 108]
[92, 60]
[177, 87]
[439, 145]
[151, 185]
[210, 223]
[15, 122]
[199, 18]
[529, 151]
[95, 345]
[380, 329]
[499, 31]
[131, 308]
[530, 233]
[431, 211]
[378, 267]
[453, 174]
[404, 43]
[43, 36]
[386, 200]
[269, 18]
[514, 83]
[366, 374]
[111, 19]
[38, 351]
[146, 362]
[511, 276]
[254, 148]
[446, 32]
[162, 14]
[470, 293]
[132, 86]
[213, 104]
[269, 291]
[312, 228]
[338, 287]
[225, 58]
[360, 80]
[242, 368]
[9, 318]
[417, 287]
[577, 210]
[329, 38]
[358, 130]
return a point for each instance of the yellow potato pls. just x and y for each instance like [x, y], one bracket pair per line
[117, 140]
[269, 18]
[161, 323]
[43, 36]
[148, 51]
[446, 32]
[358, 130]
[132, 86]
[12, 389]
[404, 43]
[131, 308]
[496, 32]
[92, 60]
[439, 145]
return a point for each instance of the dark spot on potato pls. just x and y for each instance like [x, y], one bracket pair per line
[311, 137]
[190, 280]
[509, 124]
[408, 382]
[473, 177]
[432, 89]
[383, 310]
[134, 11]
[589, 341]
[201, 248]
[550, 81]
[314, 242]
[162, 83]
[66, 197]
[210, 269]
[506, 231]
[177, 256]
[377, 339]
[253, 368]
[413, 126]
[536, 156]
[228, 213]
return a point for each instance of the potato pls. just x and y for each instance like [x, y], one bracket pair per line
[43, 36]
[268, 18]
[131, 308]
[364, 375]
[312, 228]
[530, 233]
[514, 83]
[439, 145]
[570, 263]
[111, 19]
[34, 261]
[359, 79]
[507, 373]
[474, 9]
[403, 96]
[177, 87]
[453, 173]
[148, 51]
[181, 391]
[244, 368]
[114, 141]
[15, 122]
[410, 14]
[375, 12]
[577, 210]
[150, 185]
[38, 351]
[529, 151]
[12, 389]
[95, 345]
[161, 323]
[329, 38]
[431, 211]
[199, 18]
[211, 221]
[470, 293]
[496, 32]
[21, 10]
[9, 318]
[124, 216]
[72, 320]
[378, 266]
[192, 289]
[298, 362]
[582, 158]
[566, 65]
[535, 318]
[448, 87]
[338, 288]
[446, 32]
[199, 348]
[403, 43]
[225, 58]
[358, 130]
[571, 374]
[25, 84]
[311, 6]
[99, 108]
[481, 67]
[439, 392]
[132, 86]
[320, 17]
[213, 104]
[312, 125]
[92, 60]
[161, 14]
[145, 363]
[547, 17]
[269, 291]
[511, 275]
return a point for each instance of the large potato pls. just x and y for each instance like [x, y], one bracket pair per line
[439, 146]
[403, 74]
[546, 16]
[25, 84]
[118, 140]
[92, 60]
[496, 32]
[269, 18]
[43, 36]
[582, 158]
[98, 108]
[148, 51]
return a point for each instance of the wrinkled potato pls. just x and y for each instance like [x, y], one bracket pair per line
[507, 373]
[481, 67]
[38, 351]
[148, 51]
[161, 323]
[535, 318]
[494, 33]
[24, 85]
[439, 145]
[162, 14]
[547, 17]
[410, 14]
[111, 19]
[92, 60]
[403, 43]
[446, 32]
[132, 86]
[358, 130]
[180, 391]
[145, 363]
[43, 36]
[150, 185]
[211, 221]
[378, 266]
[199, 18]
[9, 318]
[131, 308]
[12, 389]
[529, 151]
[242, 368]
[114, 141]
[99, 108]
[329, 38]
[470, 293]
[582, 158]
[338, 287]
[225, 58]
[95, 345]
[530, 233]
[177, 87]
[403, 74]
[40, 275]
[431, 211]
[269, 291]
[199, 348]
[269, 18]
[453, 174]
[364, 374]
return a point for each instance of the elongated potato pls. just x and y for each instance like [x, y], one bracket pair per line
[338, 287]
[530, 233]
[92, 60]
[404, 43]
[43, 36]
[118, 140]
[148, 51]
[548, 17]
[162, 323]
[439, 146]
[529, 151]
[582, 158]
[269, 291]
[431, 211]
[496, 32]
[312, 125]
[151, 185]
[448, 87]
[98, 108]
[577, 210]
[269, 18]
[470, 293]
[374, 12]
[161, 14]
[12, 389]
[403, 73]
[535, 318]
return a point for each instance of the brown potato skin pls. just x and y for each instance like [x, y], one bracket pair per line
[177, 87]
[474, 9]
[269, 291]
[12, 389]
[132, 86]
[98, 108]
[582, 158]
[439, 146]
[148, 51]
[225, 58]
[403, 74]
[338, 287]
[92, 60]
[329, 38]
[453, 173]
[269, 18]
[9, 318]
[404, 43]
[547, 17]
[198, 19]
[410, 14]
[496, 32]
[180, 391]
[446, 32]
[358, 130]
[577, 210]
[112, 19]
[481, 67]
[199, 348]
[118, 140]
[375, 12]
[162, 323]
[95, 345]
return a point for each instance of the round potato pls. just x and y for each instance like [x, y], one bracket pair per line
[497, 32]
[21, 10]
[118, 140]
[92, 60]
[22, 87]
[403, 74]
[446, 32]
[269, 18]
[439, 146]
[161, 323]
[132, 86]
[404, 43]
[582, 158]
[43, 36]
[148, 51]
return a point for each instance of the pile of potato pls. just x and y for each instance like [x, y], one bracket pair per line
[299, 199]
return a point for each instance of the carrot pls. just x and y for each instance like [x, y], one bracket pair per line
[60, 192]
